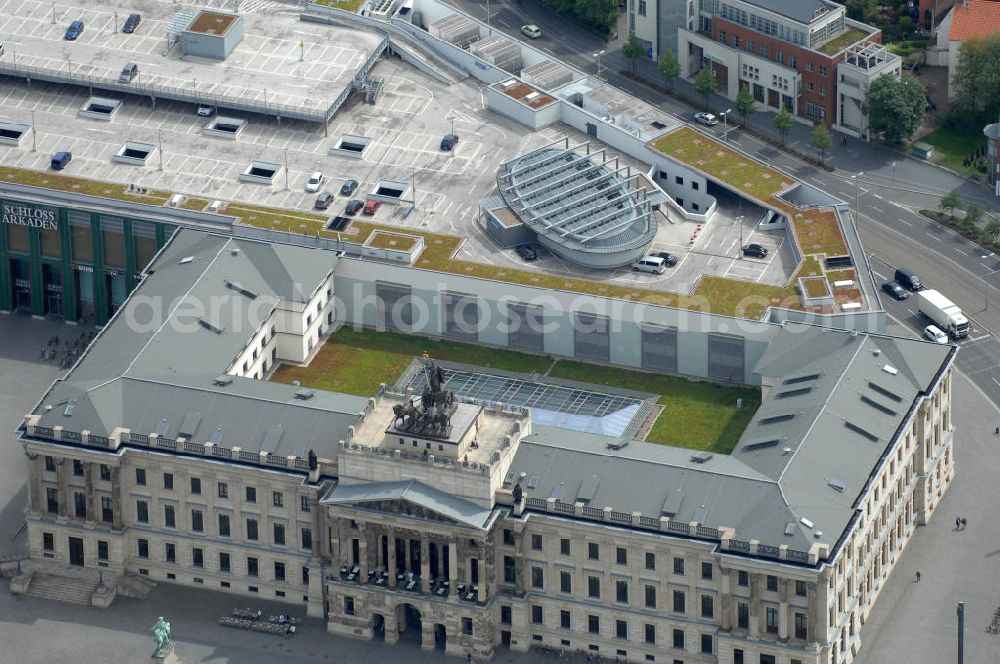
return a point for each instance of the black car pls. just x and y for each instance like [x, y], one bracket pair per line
[668, 259]
[353, 207]
[74, 30]
[324, 200]
[349, 187]
[131, 23]
[895, 290]
[449, 142]
[755, 250]
[526, 252]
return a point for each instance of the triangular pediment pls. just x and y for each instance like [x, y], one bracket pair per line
[413, 499]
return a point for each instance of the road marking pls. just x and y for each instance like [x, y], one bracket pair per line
[904, 221]
[877, 196]
[875, 207]
[962, 252]
[933, 237]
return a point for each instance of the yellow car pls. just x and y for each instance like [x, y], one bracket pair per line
[531, 31]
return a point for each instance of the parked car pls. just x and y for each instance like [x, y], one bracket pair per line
[206, 110]
[755, 251]
[449, 142]
[668, 259]
[896, 291]
[315, 181]
[653, 264]
[352, 207]
[934, 333]
[74, 30]
[526, 252]
[349, 187]
[131, 23]
[323, 201]
[129, 72]
[707, 119]
[60, 159]
[371, 207]
[531, 31]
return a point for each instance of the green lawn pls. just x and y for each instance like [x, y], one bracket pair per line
[356, 361]
[838, 44]
[698, 415]
[346, 5]
[953, 144]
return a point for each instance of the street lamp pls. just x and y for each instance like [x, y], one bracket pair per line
[452, 119]
[739, 220]
[857, 189]
[725, 123]
[285, 151]
[34, 144]
[598, 56]
[159, 140]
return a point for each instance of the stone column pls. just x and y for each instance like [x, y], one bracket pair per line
[62, 466]
[727, 600]
[35, 490]
[116, 497]
[407, 554]
[754, 605]
[391, 563]
[362, 552]
[481, 573]
[336, 548]
[317, 530]
[452, 563]
[391, 628]
[425, 570]
[88, 474]
[783, 609]
[426, 633]
[519, 566]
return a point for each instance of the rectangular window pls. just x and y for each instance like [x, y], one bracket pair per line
[279, 571]
[307, 539]
[251, 529]
[223, 525]
[772, 620]
[140, 476]
[143, 548]
[52, 499]
[564, 620]
[707, 606]
[621, 629]
[678, 566]
[142, 511]
[594, 624]
[196, 486]
[591, 337]
[279, 534]
[801, 626]
[809, 65]
[800, 588]
[304, 503]
[738, 656]
[506, 615]
[277, 499]
[168, 481]
[171, 552]
[642, 7]
[508, 535]
[107, 514]
[650, 560]
[650, 597]
[621, 591]
[197, 521]
[224, 562]
[349, 606]
[564, 547]
[251, 493]
[536, 542]
[743, 615]
[822, 70]
[536, 615]
[621, 555]
[565, 582]
[198, 557]
[80, 501]
[649, 634]
[467, 626]
[223, 490]
[102, 550]
[50, 464]
[679, 639]
[169, 518]
[706, 571]
[537, 579]
[252, 569]
[105, 472]
[509, 570]
[593, 551]
[772, 583]
[48, 542]
[706, 644]
[77, 467]
[594, 587]
[822, 90]
[679, 601]
[743, 578]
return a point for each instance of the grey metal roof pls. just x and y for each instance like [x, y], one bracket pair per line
[803, 11]
[153, 368]
[837, 402]
[458, 509]
[577, 198]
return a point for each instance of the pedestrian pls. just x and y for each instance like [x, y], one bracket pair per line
[958, 522]
[918, 576]
[964, 523]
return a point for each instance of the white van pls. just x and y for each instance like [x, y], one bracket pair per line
[653, 264]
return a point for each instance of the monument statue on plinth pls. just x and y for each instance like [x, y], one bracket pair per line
[431, 415]
[161, 635]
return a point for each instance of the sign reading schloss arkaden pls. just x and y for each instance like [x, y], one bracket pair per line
[28, 215]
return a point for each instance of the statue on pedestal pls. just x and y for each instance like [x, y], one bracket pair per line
[431, 414]
[161, 635]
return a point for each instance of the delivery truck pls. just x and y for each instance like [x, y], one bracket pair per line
[943, 312]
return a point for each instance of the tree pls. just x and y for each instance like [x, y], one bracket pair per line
[705, 84]
[745, 105]
[905, 25]
[632, 50]
[862, 10]
[822, 140]
[669, 68]
[896, 107]
[949, 202]
[783, 121]
[992, 230]
[973, 213]
[598, 14]
[977, 85]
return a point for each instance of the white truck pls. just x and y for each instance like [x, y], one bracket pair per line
[943, 312]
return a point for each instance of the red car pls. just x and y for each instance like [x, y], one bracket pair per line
[371, 207]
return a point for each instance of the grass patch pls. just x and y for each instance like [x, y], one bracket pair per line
[698, 415]
[952, 145]
[356, 361]
[346, 5]
[818, 231]
[48, 180]
[198, 204]
[277, 219]
[838, 44]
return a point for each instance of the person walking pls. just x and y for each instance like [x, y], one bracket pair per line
[958, 522]
[964, 523]
[918, 576]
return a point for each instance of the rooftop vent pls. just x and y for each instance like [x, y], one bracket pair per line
[507, 84]
[222, 381]
[876, 351]
[209, 326]
[70, 407]
[304, 395]
[818, 534]
[838, 485]
[889, 369]
[531, 95]
[789, 528]
[786, 451]
[232, 285]
[701, 458]
[235, 251]
[806, 522]
[533, 482]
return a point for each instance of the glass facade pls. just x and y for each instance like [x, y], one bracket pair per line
[72, 263]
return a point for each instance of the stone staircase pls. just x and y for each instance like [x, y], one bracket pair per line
[62, 588]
